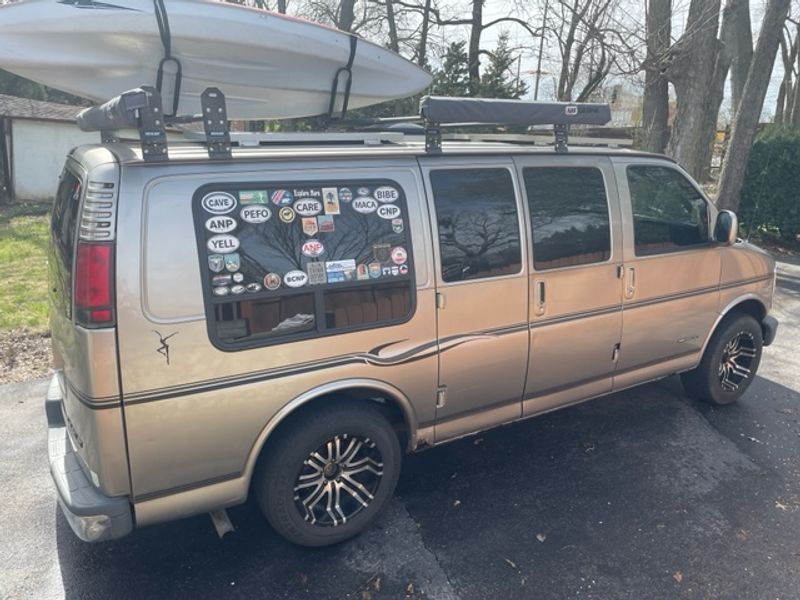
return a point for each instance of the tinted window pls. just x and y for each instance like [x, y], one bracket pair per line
[302, 259]
[669, 214]
[569, 216]
[476, 212]
[63, 229]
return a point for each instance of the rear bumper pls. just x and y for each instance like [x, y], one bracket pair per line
[93, 516]
[769, 327]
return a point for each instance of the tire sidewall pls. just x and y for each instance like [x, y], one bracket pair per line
[740, 324]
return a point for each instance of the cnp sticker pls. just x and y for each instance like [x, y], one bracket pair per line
[255, 214]
[308, 208]
[365, 205]
[313, 248]
[219, 203]
[295, 279]
[223, 244]
[386, 193]
[389, 211]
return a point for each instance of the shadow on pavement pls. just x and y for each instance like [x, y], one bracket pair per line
[640, 494]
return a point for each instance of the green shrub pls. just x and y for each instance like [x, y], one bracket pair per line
[771, 195]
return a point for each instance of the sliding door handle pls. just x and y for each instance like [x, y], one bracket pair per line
[541, 297]
[630, 284]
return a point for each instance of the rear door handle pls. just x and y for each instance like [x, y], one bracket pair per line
[630, 283]
[541, 297]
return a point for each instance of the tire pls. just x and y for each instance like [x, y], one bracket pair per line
[729, 363]
[299, 474]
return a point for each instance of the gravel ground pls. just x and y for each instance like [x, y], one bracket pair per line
[24, 355]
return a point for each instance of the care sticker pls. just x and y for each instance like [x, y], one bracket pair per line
[221, 291]
[362, 272]
[238, 289]
[363, 191]
[310, 226]
[253, 196]
[345, 195]
[223, 244]
[399, 255]
[282, 197]
[386, 193]
[330, 196]
[316, 273]
[307, 208]
[232, 262]
[272, 281]
[219, 203]
[397, 225]
[216, 262]
[305, 193]
[220, 280]
[238, 277]
[221, 224]
[295, 279]
[313, 248]
[403, 269]
[253, 287]
[326, 224]
[388, 211]
[382, 252]
[256, 214]
[374, 270]
[286, 214]
[365, 205]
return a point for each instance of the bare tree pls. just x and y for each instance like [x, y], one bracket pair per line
[741, 38]
[752, 101]
[788, 91]
[655, 107]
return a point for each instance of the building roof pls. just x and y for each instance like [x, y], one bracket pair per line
[25, 108]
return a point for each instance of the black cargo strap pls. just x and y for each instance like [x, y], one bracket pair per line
[348, 70]
[166, 40]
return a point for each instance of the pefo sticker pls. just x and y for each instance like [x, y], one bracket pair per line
[388, 211]
[308, 208]
[365, 205]
[386, 193]
[295, 279]
[219, 203]
[255, 214]
[223, 244]
[221, 224]
[313, 248]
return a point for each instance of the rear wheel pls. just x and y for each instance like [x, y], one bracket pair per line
[327, 476]
[730, 362]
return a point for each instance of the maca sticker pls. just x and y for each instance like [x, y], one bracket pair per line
[365, 205]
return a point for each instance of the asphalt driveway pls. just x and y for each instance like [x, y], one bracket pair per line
[642, 494]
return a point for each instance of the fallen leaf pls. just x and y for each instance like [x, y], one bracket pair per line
[365, 595]
[741, 534]
[478, 441]
[781, 505]
[511, 563]
[677, 576]
[541, 537]
[377, 584]
[457, 503]
[410, 588]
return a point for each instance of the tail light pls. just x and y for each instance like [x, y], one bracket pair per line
[94, 285]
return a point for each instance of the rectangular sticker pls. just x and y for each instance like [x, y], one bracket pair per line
[330, 198]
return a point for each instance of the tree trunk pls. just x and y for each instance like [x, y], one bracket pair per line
[422, 52]
[655, 108]
[394, 43]
[755, 89]
[691, 72]
[742, 51]
[347, 15]
[282, 6]
[475, 46]
[5, 165]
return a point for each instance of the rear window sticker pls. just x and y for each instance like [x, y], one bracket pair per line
[365, 205]
[237, 289]
[221, 291]
[403, 269]
[232, 262]
[386, 271]
[330, 196]
[253, 196]
[397, 225]
[304, 193]
[316, 273]
[326, 224]
[218, 203]
[223, 244]
[399, 255]
[386, 193]
[313, 248]
[282, 197]
[253, 287]
[295, 279]
[345, 195]
[255, 214]
[221, 224]
[272, 281]
[395, 271]
[220, 280]
[216, 262]
[389, 211]
[238, 277]
[363, 191]
[340, 270]
[374, 270]
[310, 226]
[308, 208]
[286, 214]
[382, 252]
[362, 272]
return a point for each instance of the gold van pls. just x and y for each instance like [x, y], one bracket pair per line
[287, 321]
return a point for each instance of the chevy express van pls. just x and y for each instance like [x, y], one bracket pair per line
[287, 322]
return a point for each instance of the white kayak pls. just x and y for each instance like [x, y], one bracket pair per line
[268, 65]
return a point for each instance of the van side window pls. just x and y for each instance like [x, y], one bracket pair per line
[669, 214]
[569, 216]
[297, 260]
[476, 212]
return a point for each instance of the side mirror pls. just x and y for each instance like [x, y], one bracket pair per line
[727, 228]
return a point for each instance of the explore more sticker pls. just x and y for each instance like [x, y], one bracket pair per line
[255, 214]
[222, 244]
[218, 203]
[389, 211]
[221, 224]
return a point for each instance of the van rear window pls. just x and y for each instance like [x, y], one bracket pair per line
[63, 229]
[302, 259]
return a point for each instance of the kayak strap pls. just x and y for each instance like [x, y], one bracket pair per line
[347, 70]
[162, 18]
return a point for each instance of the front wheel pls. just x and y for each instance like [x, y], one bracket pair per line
[327, 476]
[729, 364]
